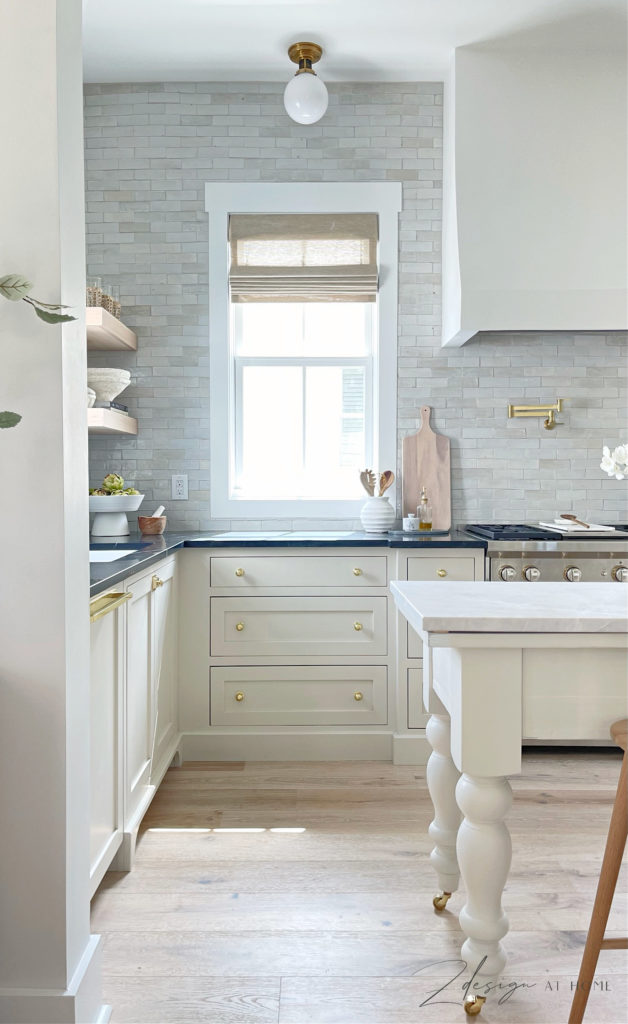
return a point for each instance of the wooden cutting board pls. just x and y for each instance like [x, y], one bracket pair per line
[425, 462]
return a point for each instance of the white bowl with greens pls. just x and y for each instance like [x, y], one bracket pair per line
[110, 503]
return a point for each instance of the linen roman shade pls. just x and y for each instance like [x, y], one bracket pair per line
[311, 257]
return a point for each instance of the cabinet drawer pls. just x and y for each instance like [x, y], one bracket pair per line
[299, 571]
[318, 626]
[444, 568]
[298, 695]
[417, 719]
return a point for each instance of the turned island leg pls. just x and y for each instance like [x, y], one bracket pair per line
[484, 853]
[442, 777]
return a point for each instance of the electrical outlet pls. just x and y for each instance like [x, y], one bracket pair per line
[180, 487]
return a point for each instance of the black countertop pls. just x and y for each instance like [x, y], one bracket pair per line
[147, 551]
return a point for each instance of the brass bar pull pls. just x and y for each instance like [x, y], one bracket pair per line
[357, 626]
[101, 606]
[358, 696]
[156, 582]
[239, 572]
[357, 572]
[441, 572]
[239, 626]
[239, 696]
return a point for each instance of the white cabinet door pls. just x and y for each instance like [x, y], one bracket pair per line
[106, 711]
[164, 633]
[139, 705]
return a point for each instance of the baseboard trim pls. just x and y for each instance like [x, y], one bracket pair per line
[80, 1003]
[408, 749]
[281, 746]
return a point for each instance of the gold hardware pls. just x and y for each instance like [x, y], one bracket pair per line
[358, 696]
[357, 572]
[239, 696]
[473, 1005]
[440, 900]
[101, 606]
[441, 572]
[357, 626]
[239, 572]
[156, 582]
[549, 411]
[239, 626]
[305, 54]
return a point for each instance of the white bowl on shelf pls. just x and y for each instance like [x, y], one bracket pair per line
[107, 381]
[110, 513]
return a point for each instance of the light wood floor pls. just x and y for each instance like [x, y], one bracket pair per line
[330, 921]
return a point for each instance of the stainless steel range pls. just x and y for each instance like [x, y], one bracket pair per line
[518, 552]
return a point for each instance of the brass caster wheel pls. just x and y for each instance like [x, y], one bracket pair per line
[473, 1005]
[440, 902]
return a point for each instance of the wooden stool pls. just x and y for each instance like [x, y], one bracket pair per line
[615, 844]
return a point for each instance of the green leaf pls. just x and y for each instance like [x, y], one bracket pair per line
[9, 419]
[14, 287]
[53, 318]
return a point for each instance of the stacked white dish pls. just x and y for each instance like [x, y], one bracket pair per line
[110, 513]
[107, 381]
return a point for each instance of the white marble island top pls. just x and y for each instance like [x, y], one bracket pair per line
[489, 607]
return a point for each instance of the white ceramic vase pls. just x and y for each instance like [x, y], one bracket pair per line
[377, 515]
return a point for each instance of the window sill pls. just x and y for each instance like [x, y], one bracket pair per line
[242, 508]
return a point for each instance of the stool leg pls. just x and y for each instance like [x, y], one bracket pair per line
[611, 864]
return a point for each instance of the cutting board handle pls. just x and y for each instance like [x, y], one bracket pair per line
[425, 417]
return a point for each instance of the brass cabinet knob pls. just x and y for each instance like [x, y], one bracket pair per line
[358, 696]
[239, 626]
[156, 582]
[357, 626]
[441, 572]
[357, 572]
[239, 696]
[239, 572]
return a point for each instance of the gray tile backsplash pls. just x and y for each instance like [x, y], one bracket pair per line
[149, 151]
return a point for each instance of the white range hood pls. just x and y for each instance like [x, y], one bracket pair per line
[535, 214]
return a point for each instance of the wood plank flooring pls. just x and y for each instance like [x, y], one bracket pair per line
[316, 907]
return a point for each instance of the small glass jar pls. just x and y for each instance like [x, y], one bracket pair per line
[107, 300]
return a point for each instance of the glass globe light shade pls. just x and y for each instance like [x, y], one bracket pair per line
[305, 98]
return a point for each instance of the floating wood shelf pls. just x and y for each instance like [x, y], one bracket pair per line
[105, 331]
[110, 421]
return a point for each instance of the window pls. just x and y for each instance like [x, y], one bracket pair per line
[302, 369]
[304, 392]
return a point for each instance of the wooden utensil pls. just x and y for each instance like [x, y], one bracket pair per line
[426, 463]
[569, 515]
[367, 479]
[386, 480]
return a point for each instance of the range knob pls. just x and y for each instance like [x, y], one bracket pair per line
[531, 573]
[507, 572]
[620, 573]
[573, 574]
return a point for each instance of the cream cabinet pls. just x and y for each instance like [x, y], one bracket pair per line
[296, 653]
[134, 730]
[106, 731]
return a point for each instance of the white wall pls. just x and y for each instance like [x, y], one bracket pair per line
[49, 964]
[537, 158]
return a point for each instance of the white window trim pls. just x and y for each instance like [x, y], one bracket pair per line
[224, 198]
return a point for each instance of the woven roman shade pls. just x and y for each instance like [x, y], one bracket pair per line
[311, 257]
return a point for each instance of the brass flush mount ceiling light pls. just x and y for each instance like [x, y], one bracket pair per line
[305, 96]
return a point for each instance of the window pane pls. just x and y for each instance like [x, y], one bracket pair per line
[336, 328]
[302, 329]
[272, 438]
[335, 445]
[267, 328]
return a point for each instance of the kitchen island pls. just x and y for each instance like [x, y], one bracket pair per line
[488, 653]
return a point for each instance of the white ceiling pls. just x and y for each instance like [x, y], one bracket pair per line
[363, 40]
